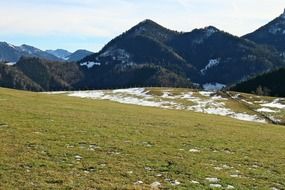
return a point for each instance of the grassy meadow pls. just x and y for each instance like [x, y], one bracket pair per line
[61, 142]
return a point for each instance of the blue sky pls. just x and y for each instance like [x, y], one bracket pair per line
[89, 24]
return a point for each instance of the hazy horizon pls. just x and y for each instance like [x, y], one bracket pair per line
[90, 24]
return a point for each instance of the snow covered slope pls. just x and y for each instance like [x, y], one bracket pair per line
[188, 100]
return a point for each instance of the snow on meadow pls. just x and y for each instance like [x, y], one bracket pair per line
[202, 101]
[275, 104]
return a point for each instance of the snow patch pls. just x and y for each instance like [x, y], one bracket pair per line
[266, 110]
[212, 179]
[247, 102]
[195, 182]
[175, 183]
[235, 176]
[167, 95]
[205, 93]
[78, 158]
[54, 93]
[90, 64]
[215, 185]
[117, 54]
[155, 185]
[138, 183]
[11, 46]
[230, 187]
[274, 188]
[209, 103]
[194, 150]
[213, 86]
[11, 63]
[211, 63]
[247, 117]
[188, 95]
[210, 31]
[274, 104]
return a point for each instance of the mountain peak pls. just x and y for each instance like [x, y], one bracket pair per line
[25, 46]
[147, 23]
[151, 29]
[211, 29]
[7, 44]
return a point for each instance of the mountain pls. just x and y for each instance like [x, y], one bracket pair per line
[205, 55]
[151, 55]
[35, 52]
[141, 51]
[51, 75]
[10, 77]
[272, 34]
[37, 74]
[11, 53]
[223, 58]
[78, 55]
[60, 53]
[271, 84]
[68, 56]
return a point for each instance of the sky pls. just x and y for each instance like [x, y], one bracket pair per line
[90, 24]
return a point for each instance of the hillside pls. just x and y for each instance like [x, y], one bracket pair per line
[41, 75]
[50, 75]
[11, 77]
[47, 75]
[206, 55]
[240, 106]
[271, 84]
[271, 34]
[60, 142]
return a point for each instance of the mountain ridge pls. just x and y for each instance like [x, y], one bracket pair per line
[11, 53]
[272, 34]
[189, 54]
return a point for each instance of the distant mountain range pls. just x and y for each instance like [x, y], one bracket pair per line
[60, 53]
[68, 56]
[36, 74]
[11, 53]
[78, 55]
[151, 55]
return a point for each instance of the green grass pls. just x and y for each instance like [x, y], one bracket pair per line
[42, 135]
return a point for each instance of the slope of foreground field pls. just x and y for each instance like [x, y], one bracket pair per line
[61, 142]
